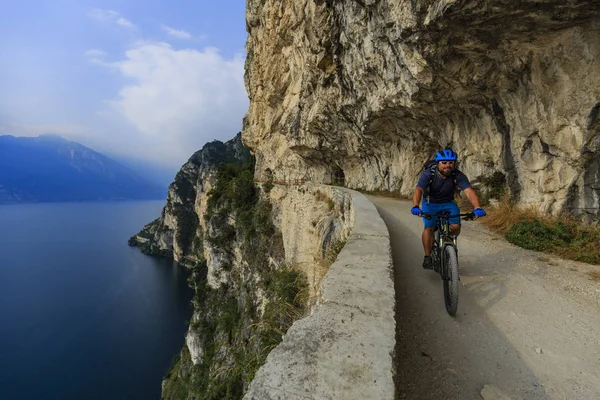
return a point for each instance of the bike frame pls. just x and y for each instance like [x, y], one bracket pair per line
[444, 237]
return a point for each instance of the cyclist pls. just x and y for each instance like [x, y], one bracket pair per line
[436, 187]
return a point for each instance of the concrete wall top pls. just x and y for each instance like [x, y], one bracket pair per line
[344, 349]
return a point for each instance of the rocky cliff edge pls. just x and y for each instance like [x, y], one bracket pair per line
[363, 92]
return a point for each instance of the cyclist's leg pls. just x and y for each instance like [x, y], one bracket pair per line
[429, 225]
[454, 222]
[455, 229]
[427, 238]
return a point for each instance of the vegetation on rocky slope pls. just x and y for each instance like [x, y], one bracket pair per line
[565, 237]
[144, 240]
[241, 321]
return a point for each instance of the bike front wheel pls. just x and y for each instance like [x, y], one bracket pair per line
[451, 280]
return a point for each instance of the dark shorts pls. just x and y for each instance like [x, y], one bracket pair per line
[435, 208]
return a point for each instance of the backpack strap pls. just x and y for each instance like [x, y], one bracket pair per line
[432, 172]
[455, 181]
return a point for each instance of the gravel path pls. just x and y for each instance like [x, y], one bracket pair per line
[527, 327]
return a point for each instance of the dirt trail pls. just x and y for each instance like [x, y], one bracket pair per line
[527, 327]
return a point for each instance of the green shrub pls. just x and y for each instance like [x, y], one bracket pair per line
[495, 184]
[287, 290]
[184, 188]
[177, 380]
[224, 238]
[187, 225]
[268, 186]
[534, 235]
[234, 188]
[566, 238]
[333, 251]
[236, 339]
[229, 315]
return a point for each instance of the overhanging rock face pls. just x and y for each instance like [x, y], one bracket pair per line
[343, 350]
[372, 88]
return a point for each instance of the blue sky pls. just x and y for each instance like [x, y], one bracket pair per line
[152, 80]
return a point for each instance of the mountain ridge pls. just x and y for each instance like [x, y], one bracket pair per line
[50, 168]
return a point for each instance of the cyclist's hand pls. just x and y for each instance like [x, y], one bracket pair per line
[416, 211]
[479, 212]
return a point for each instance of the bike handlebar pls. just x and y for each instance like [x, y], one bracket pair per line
[467, 216]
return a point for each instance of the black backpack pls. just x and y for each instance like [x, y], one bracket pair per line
[431, 165]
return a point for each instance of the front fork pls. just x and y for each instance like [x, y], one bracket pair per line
[439, 255]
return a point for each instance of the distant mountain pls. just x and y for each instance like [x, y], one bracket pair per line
[49, 168]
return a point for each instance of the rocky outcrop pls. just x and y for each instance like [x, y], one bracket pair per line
[257, 252]
[365, 91]
[314, 221]
[179, 231]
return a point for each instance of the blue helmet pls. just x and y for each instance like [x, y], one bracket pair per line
[445, 155]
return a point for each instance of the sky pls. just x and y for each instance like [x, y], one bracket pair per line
[151, 80]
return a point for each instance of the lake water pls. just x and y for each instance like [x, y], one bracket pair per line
[82, 314]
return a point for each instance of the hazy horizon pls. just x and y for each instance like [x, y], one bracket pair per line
[154, 171]
[146, 81]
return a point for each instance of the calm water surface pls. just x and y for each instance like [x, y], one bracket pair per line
[82, 314]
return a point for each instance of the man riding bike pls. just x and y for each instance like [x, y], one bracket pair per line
[437, 186]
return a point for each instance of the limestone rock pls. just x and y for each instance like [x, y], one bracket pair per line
[368, 90]
[243, 241]
[178, 232]
[313, 220]
[194, 344]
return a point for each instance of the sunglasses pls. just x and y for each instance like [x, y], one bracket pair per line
[446, 162]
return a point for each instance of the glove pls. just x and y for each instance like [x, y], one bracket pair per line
[416, 211]
[479, 212]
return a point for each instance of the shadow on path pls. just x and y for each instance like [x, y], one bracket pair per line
[439, 356]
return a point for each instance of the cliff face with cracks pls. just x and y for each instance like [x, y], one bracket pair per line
[179, 232]
[257, 254]
[366, 91]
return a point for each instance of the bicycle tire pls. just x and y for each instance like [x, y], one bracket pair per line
[451, 281]
[436, 252]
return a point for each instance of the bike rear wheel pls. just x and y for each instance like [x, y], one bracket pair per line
[451, 280]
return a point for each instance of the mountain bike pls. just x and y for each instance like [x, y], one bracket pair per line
[445, 256]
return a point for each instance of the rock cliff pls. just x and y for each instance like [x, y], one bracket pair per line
[179, 231]
[364, 91]
[257, 253]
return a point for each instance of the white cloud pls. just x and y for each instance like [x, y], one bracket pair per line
[103, 15]
[176, 33]
[125, 23]
[111, 16]
[96, 56]
[181, 99]
[95, 53]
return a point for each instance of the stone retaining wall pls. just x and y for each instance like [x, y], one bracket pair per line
[344, 349]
